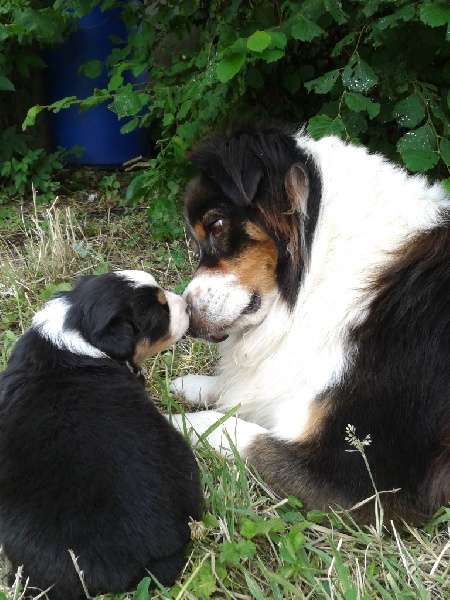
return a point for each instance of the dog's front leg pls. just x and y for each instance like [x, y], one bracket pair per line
[196, 389]
[224, 434]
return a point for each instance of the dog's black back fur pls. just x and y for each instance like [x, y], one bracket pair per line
[87, 461]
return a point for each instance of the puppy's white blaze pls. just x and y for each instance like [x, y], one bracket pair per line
[49, 322]
[217, 297]
[138, 278]
[179, 319]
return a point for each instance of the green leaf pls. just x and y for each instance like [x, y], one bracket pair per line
[334, 7]
[358, 76]
[141, 592]
[446, 184]
[233, 552]
[323, 84]
[254, 589]
[126, 102]
[410, 111]
[346, 41]
[228, 67]
[294, 501]
[91, 68]
[272, 54]
[4, 34]
[444, 149]
[279, 39]
[357, 102]
[31, 116]
[204, 584]
[290, 544]
[305, 30]
[239, 46]
[63, 103]
[406, 13]
[250, 529]
[6, 85]
[434, 15]
[91, 101]
[136, 190]
[417, 149]
[129, 126]
[210, 520]
[259, 41]
[115, 82]
[322, 125]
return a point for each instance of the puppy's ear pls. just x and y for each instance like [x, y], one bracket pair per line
[115, 336]
[150, 314]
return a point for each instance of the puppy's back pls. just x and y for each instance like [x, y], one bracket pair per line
[93, 468]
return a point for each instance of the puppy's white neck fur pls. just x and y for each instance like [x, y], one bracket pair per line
[49, 322]
[369, 208]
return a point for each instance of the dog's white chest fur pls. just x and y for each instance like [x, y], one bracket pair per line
[275, 370]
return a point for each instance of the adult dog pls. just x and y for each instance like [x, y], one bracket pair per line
[87, 462]
[325, 274]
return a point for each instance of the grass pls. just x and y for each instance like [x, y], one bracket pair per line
[251, 544]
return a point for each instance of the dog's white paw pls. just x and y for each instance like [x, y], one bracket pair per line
[223, 435]
[195, 389]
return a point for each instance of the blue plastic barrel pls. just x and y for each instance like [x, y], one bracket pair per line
[96, 129]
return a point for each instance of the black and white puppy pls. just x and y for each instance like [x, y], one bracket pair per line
[325, 274]
[87, 462]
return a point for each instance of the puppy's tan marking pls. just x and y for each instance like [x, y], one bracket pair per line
[161, 296]
[144, 349]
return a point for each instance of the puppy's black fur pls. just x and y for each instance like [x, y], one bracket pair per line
[87, 461]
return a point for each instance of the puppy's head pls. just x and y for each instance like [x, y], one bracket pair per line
[250, 213]
[124, 315]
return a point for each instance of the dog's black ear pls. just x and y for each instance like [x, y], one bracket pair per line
[113, 335]
[232, 165]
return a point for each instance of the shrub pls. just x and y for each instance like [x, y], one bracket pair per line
[371, 71]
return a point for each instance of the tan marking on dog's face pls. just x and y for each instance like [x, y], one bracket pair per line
[237, 272]
[144, 349]
[254, 267]
[199, 232]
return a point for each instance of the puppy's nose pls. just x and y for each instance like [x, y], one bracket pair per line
[188, 310]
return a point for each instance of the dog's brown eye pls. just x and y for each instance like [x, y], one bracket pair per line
[216, 228]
